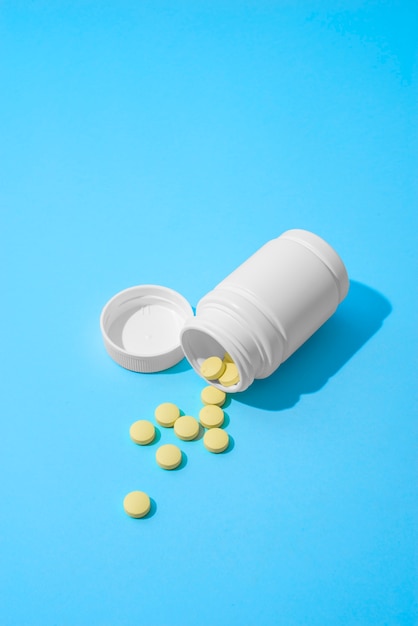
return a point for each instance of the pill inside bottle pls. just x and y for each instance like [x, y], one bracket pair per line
[212, 368]
[220, 370]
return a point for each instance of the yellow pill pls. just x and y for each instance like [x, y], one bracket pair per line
[168, 456]
[142, 432]
[166, 414]
[227, 358]
[137, 504]
[212, 395]
[216, 440]
[230, 375]
[212, 368]
[211, 416]
[186, 427]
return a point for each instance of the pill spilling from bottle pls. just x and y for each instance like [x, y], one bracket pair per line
[187, 428]
[168, 456]
[137, 504]
[211, 416]
[212, 395]
[142, 432]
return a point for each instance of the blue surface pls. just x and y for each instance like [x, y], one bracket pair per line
[152, 142]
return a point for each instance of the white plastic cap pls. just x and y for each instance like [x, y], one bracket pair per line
[141, 327]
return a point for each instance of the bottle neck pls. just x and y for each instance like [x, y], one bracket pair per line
[228, 323]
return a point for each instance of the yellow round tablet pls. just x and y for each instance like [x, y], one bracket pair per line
[137, 504]
[216, 440]
[211, 416]
[227, 358]
[186, 427]
[168, 456]
[230, 375]
[166, 414]
[212, 395]
[212, 368]
[142, 432]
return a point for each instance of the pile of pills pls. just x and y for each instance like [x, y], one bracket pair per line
[168, 456]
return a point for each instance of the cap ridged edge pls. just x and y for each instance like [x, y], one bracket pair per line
[146, 365]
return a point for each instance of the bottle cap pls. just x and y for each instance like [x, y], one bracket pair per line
[141, 327]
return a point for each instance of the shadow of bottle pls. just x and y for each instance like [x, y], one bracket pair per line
[356, 320]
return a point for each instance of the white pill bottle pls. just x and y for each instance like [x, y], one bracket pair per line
[268, 307]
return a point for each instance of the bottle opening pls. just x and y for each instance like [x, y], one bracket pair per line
[199, 346]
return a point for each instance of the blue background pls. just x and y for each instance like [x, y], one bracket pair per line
[165, 142]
